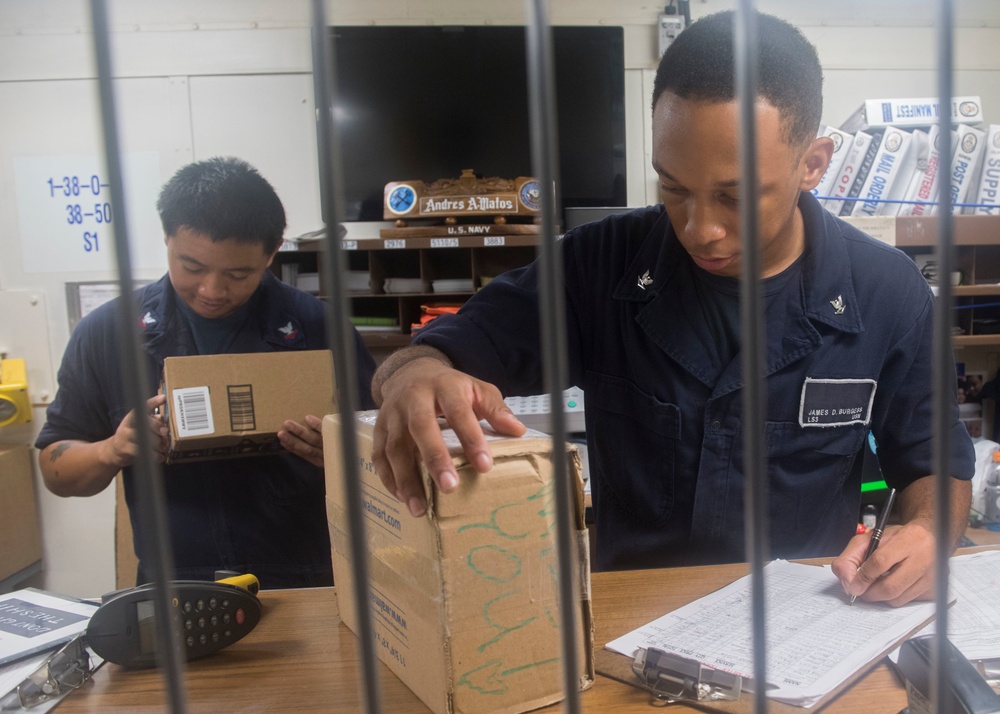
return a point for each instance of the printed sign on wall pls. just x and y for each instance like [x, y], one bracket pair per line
[67, 217]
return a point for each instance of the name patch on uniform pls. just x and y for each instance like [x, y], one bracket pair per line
[836, 402]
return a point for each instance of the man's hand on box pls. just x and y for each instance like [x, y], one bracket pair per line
[407, 430]
[123, 446]
[304, 440]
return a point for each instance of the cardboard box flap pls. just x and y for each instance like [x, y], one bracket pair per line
[509, 454]
[533, 442]
[501, 446]
[507, 476]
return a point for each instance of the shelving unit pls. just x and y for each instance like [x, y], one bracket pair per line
[474, 259]
[976, 299]
[977, 257]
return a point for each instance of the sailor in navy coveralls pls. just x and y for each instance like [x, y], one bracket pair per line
[264, 515]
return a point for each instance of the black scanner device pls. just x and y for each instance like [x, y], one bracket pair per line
[208, 615]
[968, 692]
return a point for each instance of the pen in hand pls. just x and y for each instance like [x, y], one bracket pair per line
[877, 533]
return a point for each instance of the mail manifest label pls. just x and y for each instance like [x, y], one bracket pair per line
[836, 402]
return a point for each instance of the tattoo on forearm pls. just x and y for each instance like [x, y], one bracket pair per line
[58, 451]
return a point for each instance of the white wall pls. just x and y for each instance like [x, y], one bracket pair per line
[232, 76]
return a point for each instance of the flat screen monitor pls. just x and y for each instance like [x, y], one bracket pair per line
[424, 103]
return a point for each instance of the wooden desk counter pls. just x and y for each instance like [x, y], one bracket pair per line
[652, 593]
[301, 658]
[983, 536]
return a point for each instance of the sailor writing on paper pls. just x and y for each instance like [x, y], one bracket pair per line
[652, 320]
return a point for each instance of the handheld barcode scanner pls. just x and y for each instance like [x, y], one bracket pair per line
[968, 692]
[209, 616]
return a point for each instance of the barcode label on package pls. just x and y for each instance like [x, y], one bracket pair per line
[193, 411]
[241, 412]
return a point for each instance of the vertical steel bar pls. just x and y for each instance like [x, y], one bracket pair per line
[944, 377]
[332, 270]
[752, 331]
[552, 316]
[147, 471]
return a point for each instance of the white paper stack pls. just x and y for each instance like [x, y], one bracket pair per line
[308, 282]
[403, 285]
[452, 285]
[357, 280]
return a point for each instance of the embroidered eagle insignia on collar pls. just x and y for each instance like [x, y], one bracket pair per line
[839, 305]
[645, 280]
[289, 331]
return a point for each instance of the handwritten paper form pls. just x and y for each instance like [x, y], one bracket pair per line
[815, 639]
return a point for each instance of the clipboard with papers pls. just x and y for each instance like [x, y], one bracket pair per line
[818, 644]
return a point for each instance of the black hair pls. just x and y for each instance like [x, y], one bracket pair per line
[700, 65]
[223, 197]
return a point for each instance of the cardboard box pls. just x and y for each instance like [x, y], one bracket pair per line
[20, 533]
[464, 603]
[221, 406]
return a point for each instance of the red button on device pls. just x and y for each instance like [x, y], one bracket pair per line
[240, 616]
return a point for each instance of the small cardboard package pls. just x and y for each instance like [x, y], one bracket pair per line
[221, 406]
[20, 533]
[464, 600]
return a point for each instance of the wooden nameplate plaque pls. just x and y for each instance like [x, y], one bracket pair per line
[467, 205]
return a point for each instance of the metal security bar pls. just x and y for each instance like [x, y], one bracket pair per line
[553, 325]
[944, 383]
[333, 267]
[149, 475]
[752, 330]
